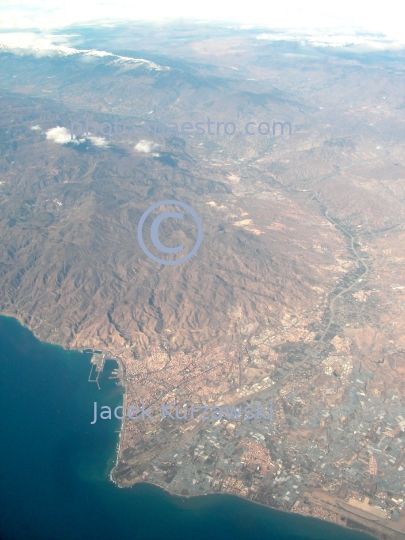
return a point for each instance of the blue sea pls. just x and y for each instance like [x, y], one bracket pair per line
[55, 465]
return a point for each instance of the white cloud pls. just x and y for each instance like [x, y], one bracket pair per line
[36, 128]
[61, 135]
[98, 141]
[344, 38]
[385, 17]
[41, 45]
[38, 44]
[146, 146]
[333, 28]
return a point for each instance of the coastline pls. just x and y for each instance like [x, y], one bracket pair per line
[286, 512]
[26, 324]
[118, 452]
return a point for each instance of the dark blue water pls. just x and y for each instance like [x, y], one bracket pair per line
[54, 465]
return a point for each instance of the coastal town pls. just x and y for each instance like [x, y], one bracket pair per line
[335, 445]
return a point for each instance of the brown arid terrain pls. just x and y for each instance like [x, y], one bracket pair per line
[296, 295]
